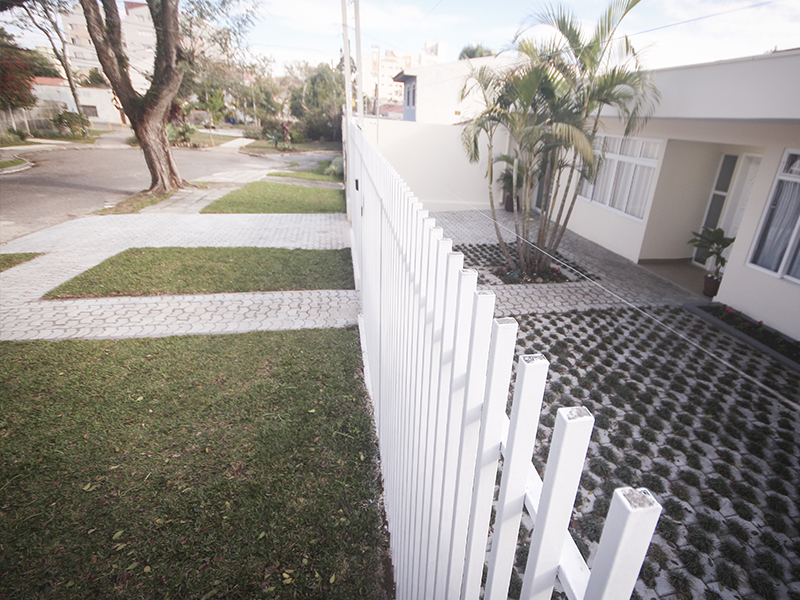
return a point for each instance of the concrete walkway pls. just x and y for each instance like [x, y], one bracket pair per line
[619, 281]
[75, 246]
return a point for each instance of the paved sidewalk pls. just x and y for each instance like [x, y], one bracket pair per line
[620, 281]
[75, 246]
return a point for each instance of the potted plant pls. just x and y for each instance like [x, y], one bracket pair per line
[712, 243]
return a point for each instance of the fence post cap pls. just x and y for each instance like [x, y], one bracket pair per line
[575, 413]
[533, 358]
[637, 499]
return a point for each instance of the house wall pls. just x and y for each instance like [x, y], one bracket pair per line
[60, 95]
[687, 174]
[432, 161]
[688, 169]
[756, 292]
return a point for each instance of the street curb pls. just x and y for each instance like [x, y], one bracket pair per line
[17, 168]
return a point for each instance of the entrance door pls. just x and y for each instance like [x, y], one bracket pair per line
[718, 196]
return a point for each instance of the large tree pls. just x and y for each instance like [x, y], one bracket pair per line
[44, 16]
[16, 75]
[149, 112]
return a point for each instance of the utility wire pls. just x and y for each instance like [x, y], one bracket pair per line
[623, 300]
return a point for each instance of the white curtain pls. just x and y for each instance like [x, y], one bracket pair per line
[784, 213]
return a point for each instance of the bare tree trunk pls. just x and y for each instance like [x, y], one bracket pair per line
[503, 247]
[147, 114]
[49, 13]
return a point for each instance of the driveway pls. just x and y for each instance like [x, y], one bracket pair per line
[72, 181]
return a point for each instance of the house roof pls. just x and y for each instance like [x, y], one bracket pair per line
[51, 81]
[763, 87]
[402, 77]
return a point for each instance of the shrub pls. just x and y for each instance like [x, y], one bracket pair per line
[73, 123]
[668, 529]
[336, 168]
[20, 134]
[654, 483]
[181, 132]
[769, 562]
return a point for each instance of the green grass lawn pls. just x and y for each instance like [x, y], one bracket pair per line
[207, 138]
[267, 197]
[12, 260]
[189, 467]
[317, 174]
[158, 271]
[265, 147]
[4, 164]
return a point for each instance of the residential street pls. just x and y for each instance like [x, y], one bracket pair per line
[75, 180]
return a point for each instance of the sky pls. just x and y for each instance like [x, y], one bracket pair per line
[667, 32]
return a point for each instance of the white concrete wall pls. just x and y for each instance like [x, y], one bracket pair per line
[754, 291]
[758, 87]
[101, 98]
[432, 161]
[439, 89]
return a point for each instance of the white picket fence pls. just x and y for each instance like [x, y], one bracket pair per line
[439, 367]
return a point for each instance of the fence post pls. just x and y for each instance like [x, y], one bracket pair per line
[483, 310]
[563, 472]
[501, 358]
[630, 524]
[528, 394]
[467, 283]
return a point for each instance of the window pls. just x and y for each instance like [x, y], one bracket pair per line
[626, 175]
[778, 246]
[88, 110]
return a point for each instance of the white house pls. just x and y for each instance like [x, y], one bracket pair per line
[53, 96]
[723, 149]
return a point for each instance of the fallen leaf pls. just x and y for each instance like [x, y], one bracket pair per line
[332, 579]
[118, 534]
[313, 410]
[262, 534]
[147, 569]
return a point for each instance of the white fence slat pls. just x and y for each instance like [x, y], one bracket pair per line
[629, 526]
[563, 472]
[467, 282]
[439, 409]
[483, 309]
[450, 265]
[501, 358]
[525, 411]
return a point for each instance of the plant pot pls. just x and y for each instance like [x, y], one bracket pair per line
[711, 286]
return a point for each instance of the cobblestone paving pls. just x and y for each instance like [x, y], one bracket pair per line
[73, 247]
[621, 281]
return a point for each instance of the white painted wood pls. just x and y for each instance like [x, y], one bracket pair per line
[565, 462]
[629, 526]
[467, 283]
[450, 264]
[483, 309]
[501, 357]
[524, 423]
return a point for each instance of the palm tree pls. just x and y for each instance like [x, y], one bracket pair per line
[489, 86]
[600, 71]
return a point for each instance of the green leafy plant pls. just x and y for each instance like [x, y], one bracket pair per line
[712, 242]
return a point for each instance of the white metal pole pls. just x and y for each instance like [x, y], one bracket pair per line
[359, 66]
[348, 87]
[562, 476]
[630, 523]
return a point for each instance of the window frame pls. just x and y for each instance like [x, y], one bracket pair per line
[634, 162]
[793, 244]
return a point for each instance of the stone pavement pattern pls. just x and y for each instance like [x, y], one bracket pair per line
[620, 283]
[73, 247]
